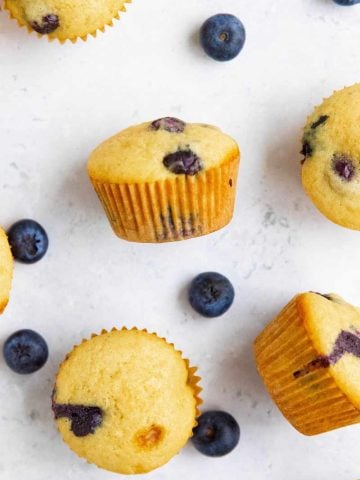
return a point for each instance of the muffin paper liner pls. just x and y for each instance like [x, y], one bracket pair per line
[110, 23]
[313, 403]
[173, 209]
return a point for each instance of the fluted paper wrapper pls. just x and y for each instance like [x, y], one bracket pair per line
[172, 209]
[312, 403]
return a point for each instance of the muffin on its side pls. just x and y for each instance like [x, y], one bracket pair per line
[65, 19]
[6, 270]
[331, 149]
[126, 401]
[309, 359]
[166, 180]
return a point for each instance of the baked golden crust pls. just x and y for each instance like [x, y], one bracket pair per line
[148, 395]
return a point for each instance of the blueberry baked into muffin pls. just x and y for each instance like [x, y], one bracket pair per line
[309, 359]
[6, 270]
[126, 401]
[166, 180]
[331, 165]
[65, 19]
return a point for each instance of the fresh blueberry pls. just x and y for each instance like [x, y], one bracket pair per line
[211, 294]
[29, 241]
[222, 37]
[25, 351]
[216, 434]
[346, 3]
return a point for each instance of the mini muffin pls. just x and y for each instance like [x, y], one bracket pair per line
[65, 19]
[126, 401]
[6, 270]
[166, 180]
[309, 359]
[331, 167]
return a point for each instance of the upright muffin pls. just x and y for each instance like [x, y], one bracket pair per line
[331, 149]
[166, 180]
[126, 401]
[309, 359]
[65, 19]
[6, 270]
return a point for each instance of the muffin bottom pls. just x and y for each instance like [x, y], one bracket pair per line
[170, 210]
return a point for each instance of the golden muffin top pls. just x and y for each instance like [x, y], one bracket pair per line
[6, 270]
[334, 327]
[331, 147]
[126, 400]
[160, 150]
[64, 19]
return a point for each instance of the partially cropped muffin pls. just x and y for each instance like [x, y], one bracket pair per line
[166, 180]
[331, 149]
[126, 401]
[65, 19]
[6, 270]
[309, 359]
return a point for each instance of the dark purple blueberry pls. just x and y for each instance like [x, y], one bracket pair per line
[318, 363]
[216, 434]
[222, 37]
[322, 119]
[28, 240]
[84, 420]
[347, 342]
[49, 23]
[184, 162]
[170, 124]
[25, 351]
[343, 166]
[211, 294]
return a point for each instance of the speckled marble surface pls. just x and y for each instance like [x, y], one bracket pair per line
[58, 102]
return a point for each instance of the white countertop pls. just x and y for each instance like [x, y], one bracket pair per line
[58, 102]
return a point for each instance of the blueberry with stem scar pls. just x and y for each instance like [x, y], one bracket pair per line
[216, 434]
[28, 240]
[25, 351]
[222, 37]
